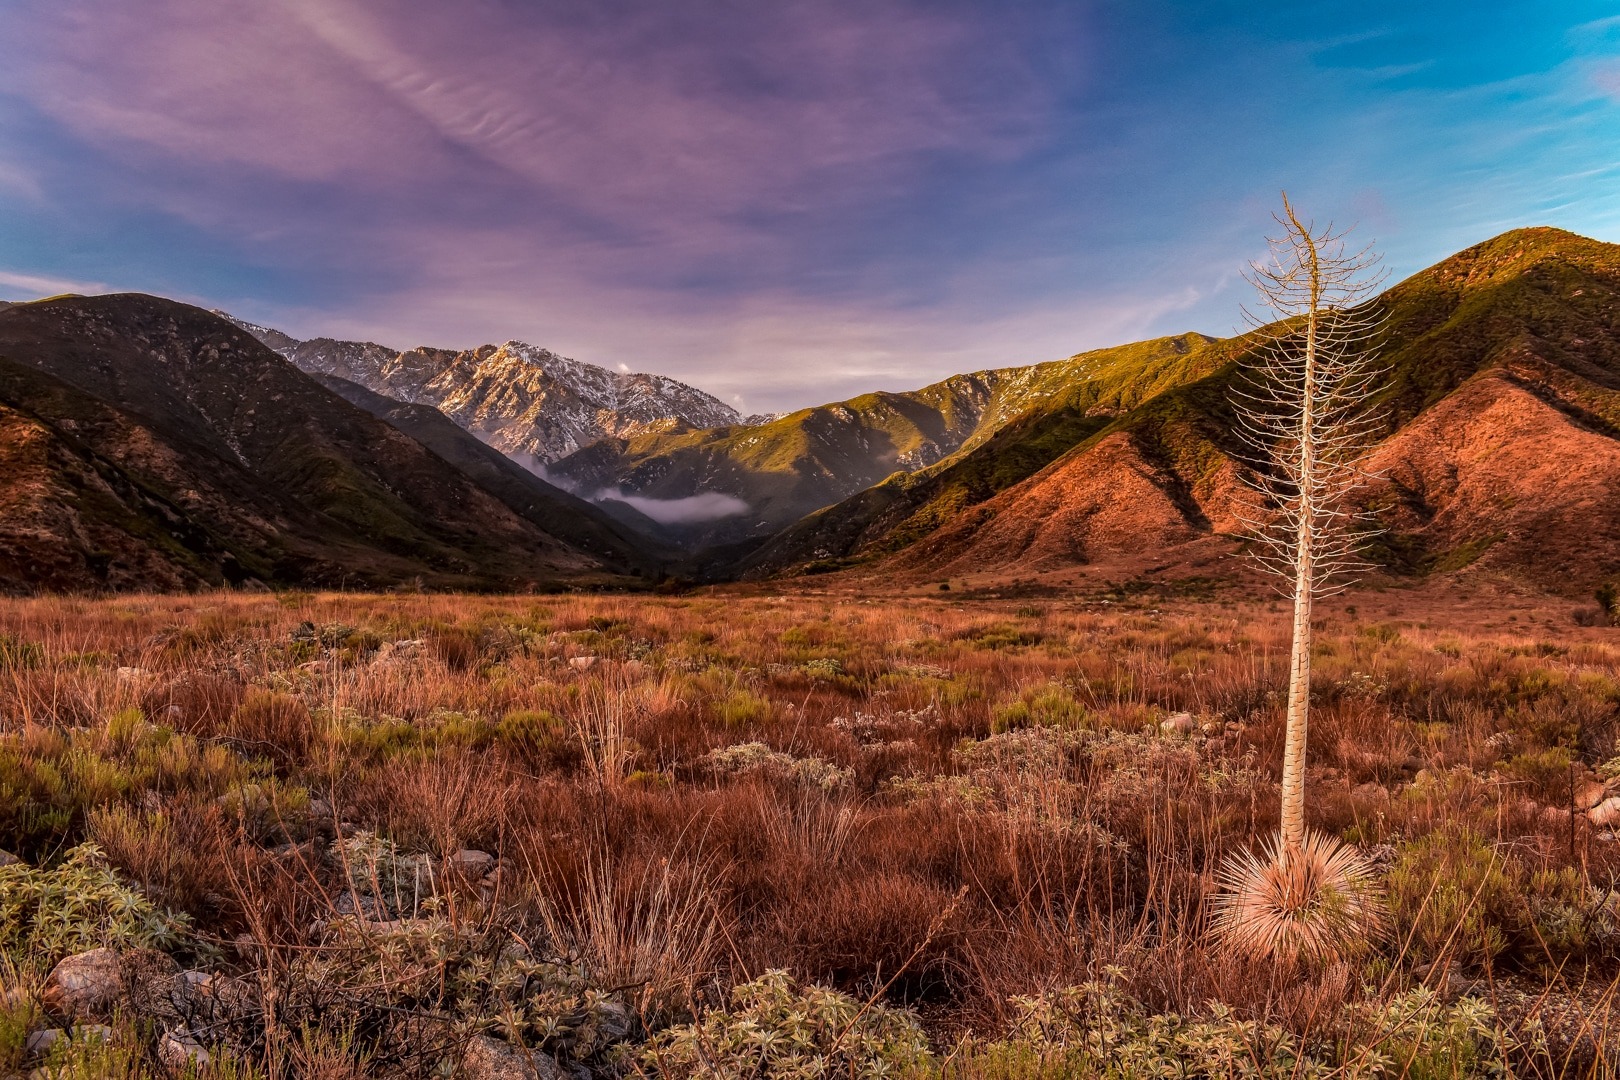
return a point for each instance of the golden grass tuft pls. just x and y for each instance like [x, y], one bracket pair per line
[1314, 904]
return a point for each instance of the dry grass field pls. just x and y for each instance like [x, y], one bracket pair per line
[795, 835]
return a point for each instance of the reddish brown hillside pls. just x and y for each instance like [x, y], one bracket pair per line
[1498, 474]
[1502, 399]
[48, 539]
[1104, 501]
[1107, 500]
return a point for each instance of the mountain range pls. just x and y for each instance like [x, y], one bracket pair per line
[527, 402]
[154, 445]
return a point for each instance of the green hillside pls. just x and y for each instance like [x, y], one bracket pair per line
[1541, 303]
[815, 457]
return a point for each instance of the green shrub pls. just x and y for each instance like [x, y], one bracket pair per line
[50, 779]
[86, 1055]
[824, 667]
[1570, 918]
[1545, 773]
[1418, 1036]
[18, 1017]
[999, 636]
[1051, 705]
[779, 1029]
[16, 653]
[540, 738]
[1608, 598]
[1096, 1029]
[46, 914]
[1455, 898]
[741, 707]
[758, 759]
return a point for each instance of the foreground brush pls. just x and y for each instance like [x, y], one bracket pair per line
[1312, 903]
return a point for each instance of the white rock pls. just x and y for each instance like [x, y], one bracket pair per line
[582, 663]
[86, 984]
[1605, 812]
[39, 1043]
[491, 1059]
[182, 1054]
[471, 863]
[1180, 723]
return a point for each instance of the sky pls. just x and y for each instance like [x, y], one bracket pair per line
[783, 203]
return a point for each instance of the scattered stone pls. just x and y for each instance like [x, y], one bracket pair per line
[1180, 723]
[8, 859]
[86, 984]
[182, 1054]
[1370, 792]
[582, 663]
[470, 863]
[1554, 817]
[1605, 812]
[491, 1059]
[246, 947]
[393, 652]
[40, 1043]
[614, 1021]
[1588, 795]
[218, 997]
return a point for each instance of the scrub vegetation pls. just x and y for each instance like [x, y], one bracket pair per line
[804, 835]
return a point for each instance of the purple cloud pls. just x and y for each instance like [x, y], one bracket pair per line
[782, 202]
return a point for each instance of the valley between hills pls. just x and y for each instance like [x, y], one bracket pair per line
[152, 445]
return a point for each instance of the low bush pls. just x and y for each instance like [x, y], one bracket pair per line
[80, 904]
[777, 1027]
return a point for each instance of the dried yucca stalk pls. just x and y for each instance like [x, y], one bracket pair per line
[1302, 408]
[1315, 902]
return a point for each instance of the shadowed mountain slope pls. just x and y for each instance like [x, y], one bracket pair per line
[158, 446]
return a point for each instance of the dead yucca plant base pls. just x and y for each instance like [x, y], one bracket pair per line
[1315, 902]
